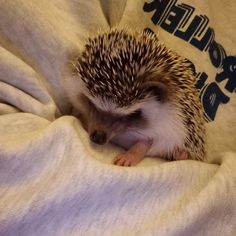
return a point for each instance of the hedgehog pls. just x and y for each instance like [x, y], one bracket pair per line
[129, 89]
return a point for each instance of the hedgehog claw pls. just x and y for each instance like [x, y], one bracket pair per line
[180, 154]
[127, 159]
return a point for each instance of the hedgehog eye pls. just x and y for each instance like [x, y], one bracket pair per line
[136, 115]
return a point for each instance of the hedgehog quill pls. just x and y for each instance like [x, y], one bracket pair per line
[128, 88]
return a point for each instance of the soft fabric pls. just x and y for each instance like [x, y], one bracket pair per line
[52, 182]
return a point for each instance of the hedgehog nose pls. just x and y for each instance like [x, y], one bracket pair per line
[98, 137]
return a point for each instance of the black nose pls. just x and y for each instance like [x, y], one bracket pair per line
[98, 137]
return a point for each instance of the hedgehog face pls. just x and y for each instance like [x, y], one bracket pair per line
[105, 119]
[103, 125]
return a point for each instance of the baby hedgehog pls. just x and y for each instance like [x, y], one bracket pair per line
[129, 89]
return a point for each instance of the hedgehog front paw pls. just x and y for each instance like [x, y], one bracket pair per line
[127, 159]
[180, 154]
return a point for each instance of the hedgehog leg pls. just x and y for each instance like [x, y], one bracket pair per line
[180, 154]
[134, 155]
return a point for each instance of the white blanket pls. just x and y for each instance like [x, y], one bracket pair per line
[53, 183]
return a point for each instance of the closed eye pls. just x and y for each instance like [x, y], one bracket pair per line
[136, 115]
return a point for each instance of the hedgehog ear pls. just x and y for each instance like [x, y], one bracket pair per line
[156, 89]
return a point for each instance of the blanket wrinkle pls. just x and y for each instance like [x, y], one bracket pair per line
[22, 87]
[113, 11]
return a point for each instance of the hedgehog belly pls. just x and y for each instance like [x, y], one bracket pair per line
[165, 143]
[162, 146]
[166, 133]
[127, 139]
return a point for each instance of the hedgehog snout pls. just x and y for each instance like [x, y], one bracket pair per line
[98, 137]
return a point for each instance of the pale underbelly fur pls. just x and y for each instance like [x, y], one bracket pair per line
[165, 129]
[162, 143]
